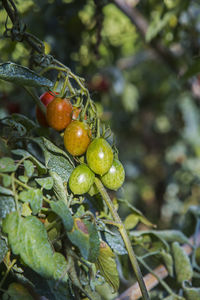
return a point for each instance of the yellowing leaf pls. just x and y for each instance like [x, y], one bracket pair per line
[107, 266]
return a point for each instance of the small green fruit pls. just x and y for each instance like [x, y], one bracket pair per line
[81, 180]
[114, 179]
[99, 156]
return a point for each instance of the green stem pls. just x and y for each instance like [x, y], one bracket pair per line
[125, 237]
[36, 99]
[29, 188]
[7, 272]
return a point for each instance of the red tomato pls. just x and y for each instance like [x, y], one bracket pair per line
[59, 113]
[46, 98]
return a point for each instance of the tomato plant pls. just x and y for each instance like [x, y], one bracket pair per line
[114, 178]
[77, 137]
[46, 98]
[81, 180]
[59, 113]
[99, 156]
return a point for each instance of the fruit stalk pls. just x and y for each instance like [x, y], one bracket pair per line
[125, 238]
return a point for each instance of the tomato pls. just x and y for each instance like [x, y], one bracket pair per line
[46, 98]
[114, 178]
[99, 156]
[59, 113]
[81, 179]
[77, 137]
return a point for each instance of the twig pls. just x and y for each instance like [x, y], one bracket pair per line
[141, 24]
[134, 293]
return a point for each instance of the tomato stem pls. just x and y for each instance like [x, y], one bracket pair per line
[124, 236]
[36, 99]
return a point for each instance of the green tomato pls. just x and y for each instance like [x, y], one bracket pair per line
[81, 180]
[99, 156]
[114, 179]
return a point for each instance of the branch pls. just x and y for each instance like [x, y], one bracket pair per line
[134, 293]
[142, 25]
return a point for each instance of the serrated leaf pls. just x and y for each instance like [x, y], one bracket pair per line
[58, 187]
[7, 164]
[5, 191]
[16, 291]
[45, 182]
[191, 293]
[84, 235]
[114, 240]
[22, 75]
[24, 153]
[107, 266]
[7, 205]
[182, 263]
[61, 209]
[29, 168]
[3, 249]
[34, 197]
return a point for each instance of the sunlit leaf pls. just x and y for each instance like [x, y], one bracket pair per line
[22, 75]
[29, 168]
[34, 197]
[6, 191]
[107, 266]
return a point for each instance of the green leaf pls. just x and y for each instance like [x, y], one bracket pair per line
[61, 267]
[168, 261]
[28, 238]
[114, 240]
[16, 291]
[6, 180]
[191, 293]
[7, 205]
[7, 164]
[107, 266]
[22, 75]
[158, 24]
[42, 169]
[6, 191]
[84, 235]
[58, 187]
[29, 168]
[182, 264]
[3, 249]
[56, 160]
[34, 197]
[61, 209]
[46, 182]
[131, 221]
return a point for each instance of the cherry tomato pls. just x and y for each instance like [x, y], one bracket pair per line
[77, 137]
[81, 180]
[114, 178]
[46, 98]
[99, 156]
[59, 113]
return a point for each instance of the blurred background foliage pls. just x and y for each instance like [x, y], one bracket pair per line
[144, 79]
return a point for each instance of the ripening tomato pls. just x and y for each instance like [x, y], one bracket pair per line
[59, 112]
[46, 98]
[114, 178]
[81, 180]
[99, 156]
[77, 137]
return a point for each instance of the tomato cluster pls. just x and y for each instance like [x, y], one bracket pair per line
[61, 115]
